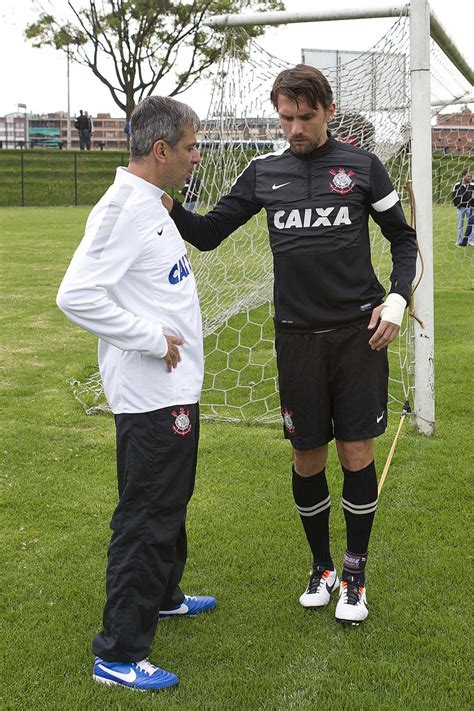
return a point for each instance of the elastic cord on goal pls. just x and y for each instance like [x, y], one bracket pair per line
[411, 312]
[411, 307]
[405, 411]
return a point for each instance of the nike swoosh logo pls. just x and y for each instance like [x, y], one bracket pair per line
[277, 187]
[131, 676]
[160, 232]
[379, 418]
[183, 609]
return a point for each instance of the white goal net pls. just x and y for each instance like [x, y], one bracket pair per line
[235, 280]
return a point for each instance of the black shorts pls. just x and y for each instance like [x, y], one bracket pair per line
[331, 385]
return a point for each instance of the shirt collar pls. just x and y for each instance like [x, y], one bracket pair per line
[123, 176]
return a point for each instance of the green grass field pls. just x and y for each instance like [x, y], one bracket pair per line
[259, 650]
[50, 177]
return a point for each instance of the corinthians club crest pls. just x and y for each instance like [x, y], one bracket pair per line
[342, 182]
[288, 420]
[182, 423]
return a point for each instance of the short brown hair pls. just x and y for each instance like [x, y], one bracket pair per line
[302, 81]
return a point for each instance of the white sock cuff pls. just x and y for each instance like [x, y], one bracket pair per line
[316, 509]
[359, 508]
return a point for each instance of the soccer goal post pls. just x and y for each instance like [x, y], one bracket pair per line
[407, 100]
[421, 23]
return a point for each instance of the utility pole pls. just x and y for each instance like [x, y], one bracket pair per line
[68, 126]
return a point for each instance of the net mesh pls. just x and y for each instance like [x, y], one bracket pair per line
[235, 280]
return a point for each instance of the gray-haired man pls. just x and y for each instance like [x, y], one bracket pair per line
[131, 284]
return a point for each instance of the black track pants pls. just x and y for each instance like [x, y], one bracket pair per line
[156, 466]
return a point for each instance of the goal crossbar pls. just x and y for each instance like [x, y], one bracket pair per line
[283, 17]
[393, 9]
[392, 99]
[423, 24]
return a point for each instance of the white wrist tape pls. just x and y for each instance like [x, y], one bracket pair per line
[393, 309]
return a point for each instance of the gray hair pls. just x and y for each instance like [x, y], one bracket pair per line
[159, 117]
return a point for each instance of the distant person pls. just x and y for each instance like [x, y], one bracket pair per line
[82, 126]
[130, 283]
[463, 201]
[470, 229]
[90, 129]
[190, 191]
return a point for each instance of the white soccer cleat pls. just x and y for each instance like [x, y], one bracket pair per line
[352, 605]
[321, 584]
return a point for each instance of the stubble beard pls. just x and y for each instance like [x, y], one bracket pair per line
[305, 148]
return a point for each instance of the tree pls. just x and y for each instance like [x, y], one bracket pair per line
[132, 45]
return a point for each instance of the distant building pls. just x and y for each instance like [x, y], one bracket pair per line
[454, 133]
[109, 133]
[50, 131]
[45, 131]
[13, 130]
[245, 129]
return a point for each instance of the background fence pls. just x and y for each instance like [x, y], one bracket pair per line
[30, 178]
[51, 178]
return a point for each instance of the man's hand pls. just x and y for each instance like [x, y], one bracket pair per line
[390, 314]
[173, 357]
[167, 201]
[385, 333]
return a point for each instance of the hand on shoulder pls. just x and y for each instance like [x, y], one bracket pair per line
[167, 201]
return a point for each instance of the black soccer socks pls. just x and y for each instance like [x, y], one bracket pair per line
[359, 501]
[313, 502]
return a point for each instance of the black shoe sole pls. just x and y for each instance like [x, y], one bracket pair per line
[349, 623]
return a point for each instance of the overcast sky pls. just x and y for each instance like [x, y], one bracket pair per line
[37, 77]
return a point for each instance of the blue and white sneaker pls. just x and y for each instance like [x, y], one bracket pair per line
[191, 606]
[135, 675]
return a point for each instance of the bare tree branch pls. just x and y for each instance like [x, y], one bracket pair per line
[133, 45]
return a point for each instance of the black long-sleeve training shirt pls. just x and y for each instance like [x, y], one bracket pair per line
[463, 194]
[317, 208]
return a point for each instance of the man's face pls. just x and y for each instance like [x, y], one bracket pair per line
[467, 178]
[182, 159]
[305, 128]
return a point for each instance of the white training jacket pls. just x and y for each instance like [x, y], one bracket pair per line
[130, 282]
